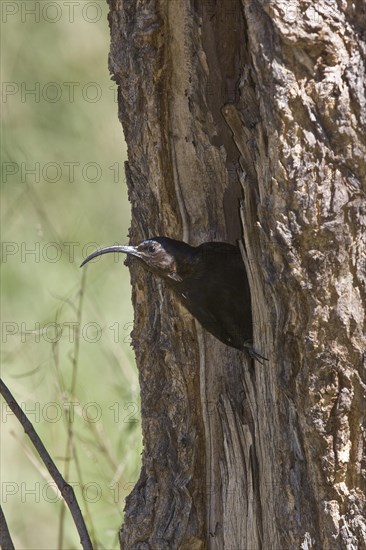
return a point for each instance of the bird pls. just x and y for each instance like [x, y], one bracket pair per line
[210, 280]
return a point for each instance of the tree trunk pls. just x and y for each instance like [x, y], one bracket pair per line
[261, 104]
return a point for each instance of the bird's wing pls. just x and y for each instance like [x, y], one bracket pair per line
[217, 314]
[204, 315]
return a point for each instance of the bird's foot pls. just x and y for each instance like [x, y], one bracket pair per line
[254, 354]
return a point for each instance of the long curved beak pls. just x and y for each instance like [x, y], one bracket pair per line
[118, 248]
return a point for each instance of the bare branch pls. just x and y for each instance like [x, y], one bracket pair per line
[66, 490]
[5, 538]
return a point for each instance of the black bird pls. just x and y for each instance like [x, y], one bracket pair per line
[210, 280]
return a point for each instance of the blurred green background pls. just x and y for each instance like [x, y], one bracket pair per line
[65, 353]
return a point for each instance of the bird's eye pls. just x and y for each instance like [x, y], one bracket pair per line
[151, 249]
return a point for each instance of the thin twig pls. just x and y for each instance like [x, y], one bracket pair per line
[65, 489]
[5, 539]
[70, 444]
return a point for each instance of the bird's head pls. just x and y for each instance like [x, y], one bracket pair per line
[159, 254]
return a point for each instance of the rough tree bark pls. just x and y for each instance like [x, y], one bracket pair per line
[264, 102]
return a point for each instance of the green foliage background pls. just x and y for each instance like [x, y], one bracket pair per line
[49, 218]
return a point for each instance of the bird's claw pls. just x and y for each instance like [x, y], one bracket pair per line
[254, 354]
